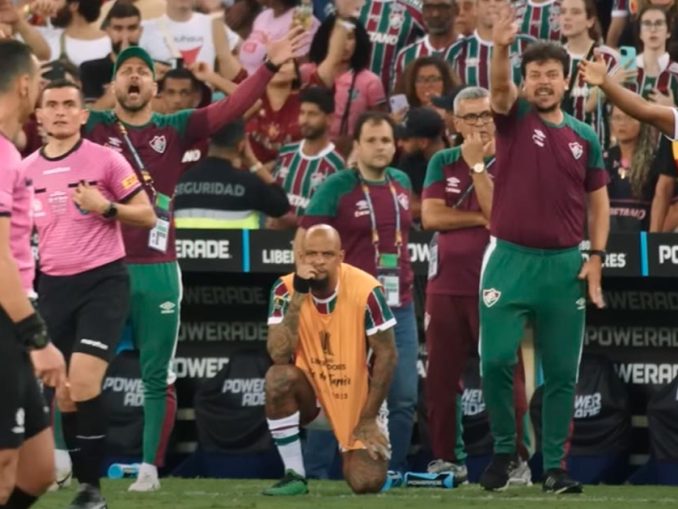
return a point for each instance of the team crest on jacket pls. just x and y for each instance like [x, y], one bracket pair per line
[576, 149]
[491, 296]
[159, 144]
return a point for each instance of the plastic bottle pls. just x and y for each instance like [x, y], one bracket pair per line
[303, 15]
[426, 480]
[120, 470]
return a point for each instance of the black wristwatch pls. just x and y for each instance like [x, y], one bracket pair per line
[271, 66]
[32, 332]
[598, 252]
[110, 212]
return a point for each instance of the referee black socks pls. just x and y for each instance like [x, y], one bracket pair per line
[91, 439]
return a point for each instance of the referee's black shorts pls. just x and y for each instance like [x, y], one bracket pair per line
[23, 411]
[86, 312]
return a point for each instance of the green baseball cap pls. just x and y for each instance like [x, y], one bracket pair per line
[134, 52]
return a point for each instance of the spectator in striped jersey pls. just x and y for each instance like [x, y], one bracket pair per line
[439, 20]
[301, 167]
[538, 18]
[470, 57]
[426, 78]
[657, 78]
[620, 16]
[579, 27]
[664, 212]
[466, 17]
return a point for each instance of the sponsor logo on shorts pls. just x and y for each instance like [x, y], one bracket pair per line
[491, 297]
[20, 420]
[581, 303]
[167, 308]
[94, 344]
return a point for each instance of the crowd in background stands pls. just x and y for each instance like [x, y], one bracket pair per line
[389, 55]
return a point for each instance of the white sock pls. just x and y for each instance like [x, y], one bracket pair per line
[146, 469]
[285, 433]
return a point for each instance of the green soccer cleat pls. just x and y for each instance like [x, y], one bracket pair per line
[290, 485]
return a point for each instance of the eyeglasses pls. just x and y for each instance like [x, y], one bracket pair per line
[428, 80]
[649, 24]
[473, 118]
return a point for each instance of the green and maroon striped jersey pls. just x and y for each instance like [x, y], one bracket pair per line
[665, 81]
[470, 59]
[378, 316]
[392, 25]
[300, 175]
[421, 48]
[539, 19]
[581, 90]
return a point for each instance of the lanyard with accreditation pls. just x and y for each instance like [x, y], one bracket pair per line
[388, 264]
[159, 235]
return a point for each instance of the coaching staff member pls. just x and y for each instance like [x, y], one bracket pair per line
[550, 171]
[83, 191]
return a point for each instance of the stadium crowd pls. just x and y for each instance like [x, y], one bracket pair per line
[351, 122]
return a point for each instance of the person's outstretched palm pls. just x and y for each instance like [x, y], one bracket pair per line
[505, 27]
[594, 71]
[287, 47]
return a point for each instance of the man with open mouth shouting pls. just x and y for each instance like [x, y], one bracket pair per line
[154, 145]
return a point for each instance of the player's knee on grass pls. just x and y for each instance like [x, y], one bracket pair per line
[280, 383]
[9, 459]
[363, 474]
[36, 471]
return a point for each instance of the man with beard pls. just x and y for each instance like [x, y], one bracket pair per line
[26, 444]
[123, 26]
[302, 167]
[439, 22]
[332, 344]
[421, 136]
[83, 193]
[549, 175]
[369, 204]
[154, 145]
[457, 204]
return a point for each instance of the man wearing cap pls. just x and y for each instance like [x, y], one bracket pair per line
[457, 201]
[154, 145]
[421, 135]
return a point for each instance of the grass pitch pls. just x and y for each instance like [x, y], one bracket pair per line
[245, 494]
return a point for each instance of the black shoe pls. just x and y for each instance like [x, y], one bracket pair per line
[557, 481]
[88, 497]
[496, 475]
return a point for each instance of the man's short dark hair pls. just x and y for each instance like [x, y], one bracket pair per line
[179, 74]
[230, 135]
[88, 9]
[542, 51]
[121, 9]
[15, 60]
[322, 97]
[372, 117]
[64, 83]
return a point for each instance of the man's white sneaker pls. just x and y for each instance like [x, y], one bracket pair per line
[145, 482]
[520, 474]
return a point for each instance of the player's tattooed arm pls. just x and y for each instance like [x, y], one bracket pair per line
[385, 358]
[283, 337]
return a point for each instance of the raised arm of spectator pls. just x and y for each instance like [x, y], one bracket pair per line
[30, 35]
[662, 117]
[229, 65]
[615, 30]
[329, 67]
[502, 89]
[203, 122]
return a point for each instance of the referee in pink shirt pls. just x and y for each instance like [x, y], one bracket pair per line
[83, 191]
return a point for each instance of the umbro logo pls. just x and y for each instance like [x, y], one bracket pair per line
[580, 303]
[167, 308]
[538, 137]
[20, 419]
